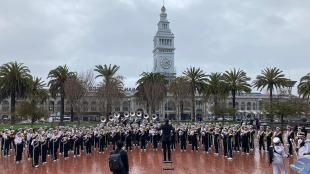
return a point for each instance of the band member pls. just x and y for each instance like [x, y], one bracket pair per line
[88, 143]
[278, 134]
[44, 148]
[245, 136]
[19, 147]
[30, 147]
[6, 142]
[166, 139]
[205, 138]
[251, 138]
[300, 144]
[224, 136]
[290, 140]
[276, 156]
[173, 139]
[194, 139]
[261, 137]
[77, 139]
[143, 139]
[216, 141]
[55, 145]
[182, 135]
[101, 139]
[66, 146]
[269, 135]
[237, 138]
[36, 151]
[230, 139]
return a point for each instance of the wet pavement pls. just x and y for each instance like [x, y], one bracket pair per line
[149, 162]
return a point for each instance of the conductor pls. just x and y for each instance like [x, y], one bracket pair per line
[166, 139]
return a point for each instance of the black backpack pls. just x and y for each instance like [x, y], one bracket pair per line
[270, 154]
[115, 162]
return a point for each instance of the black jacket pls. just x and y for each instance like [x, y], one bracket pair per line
[167, 129]
[124, 158]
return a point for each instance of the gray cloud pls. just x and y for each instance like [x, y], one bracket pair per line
[215, 35]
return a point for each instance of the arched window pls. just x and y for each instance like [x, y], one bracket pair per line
[254, 106]
[5, 106]
[58, 106]
[187, 105]
[169, 106]
[67, 106]
[248, 106]
[237, 106]
[93, 106]
[242, 106]
[125, 106]
[85, 106]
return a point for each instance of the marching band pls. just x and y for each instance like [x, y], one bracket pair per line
[141, 132]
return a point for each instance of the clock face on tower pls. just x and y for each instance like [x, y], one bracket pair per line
[165, 63]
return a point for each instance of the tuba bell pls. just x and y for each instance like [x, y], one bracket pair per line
[154, 116]
[126, 114]
[139, 114]
[116, 115]
[104, 120]
[132, 114]
[111, 118]
[146, 116]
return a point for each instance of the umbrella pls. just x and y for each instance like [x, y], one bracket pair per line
[302, 165]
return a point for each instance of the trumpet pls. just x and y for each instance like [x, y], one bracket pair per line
[132, 114]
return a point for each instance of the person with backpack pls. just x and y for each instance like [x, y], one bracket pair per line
[276, 156]
[118, 160]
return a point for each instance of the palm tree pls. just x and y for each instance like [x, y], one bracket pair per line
[14, 79]
[237, 82]
[36, 93]
[271, 79]
[197, 79]
[152, 88]
[216, 87]
[111, 86]
[218, 90]
[58, 78]
[180, 89]
[304, 86]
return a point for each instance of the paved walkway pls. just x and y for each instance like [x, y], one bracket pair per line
[148, 163]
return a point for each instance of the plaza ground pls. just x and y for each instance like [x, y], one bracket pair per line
[148, 163]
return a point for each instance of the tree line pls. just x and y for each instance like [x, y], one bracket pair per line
[16, 82]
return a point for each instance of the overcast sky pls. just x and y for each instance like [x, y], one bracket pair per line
[215, 35]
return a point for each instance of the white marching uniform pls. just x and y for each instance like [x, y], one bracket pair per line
[278, 160]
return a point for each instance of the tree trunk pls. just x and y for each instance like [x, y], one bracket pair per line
[270, 105]
[71, 113]
[233, 93]
[282, 121]
[13, 102]
[62, 109]
[193, 105]
[181, 109]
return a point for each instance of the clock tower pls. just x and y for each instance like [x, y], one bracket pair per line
[163, 53]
